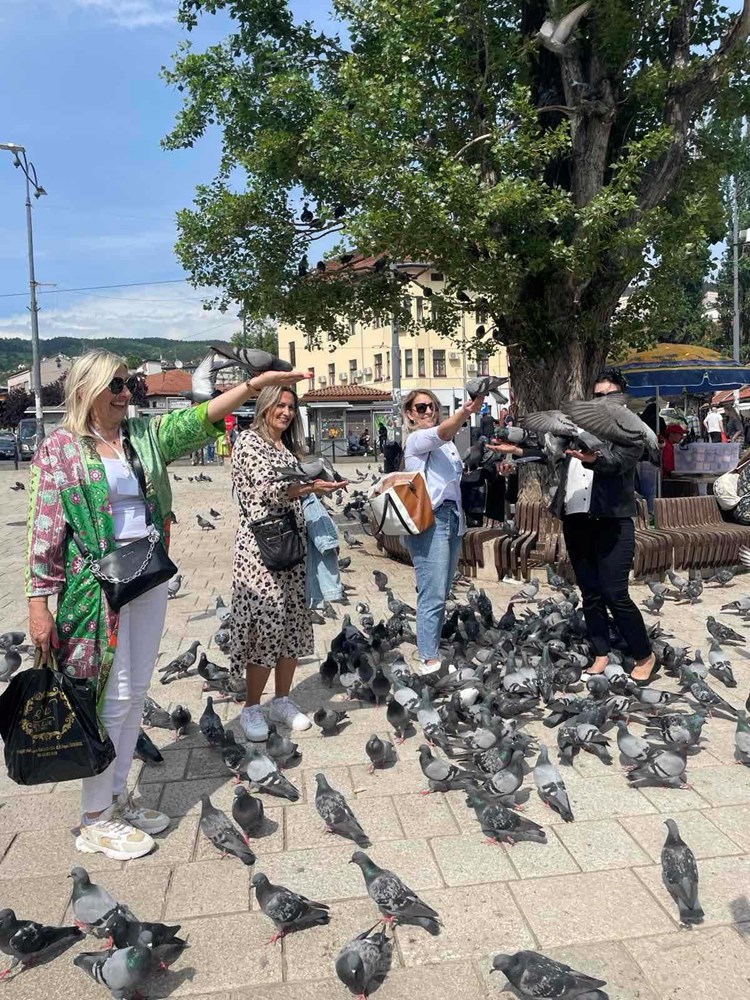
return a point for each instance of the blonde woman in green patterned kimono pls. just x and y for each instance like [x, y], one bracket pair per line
[82, 480]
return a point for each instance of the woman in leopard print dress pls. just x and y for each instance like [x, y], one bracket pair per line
[271, 625]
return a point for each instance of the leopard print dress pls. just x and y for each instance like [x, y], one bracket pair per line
[269, 615]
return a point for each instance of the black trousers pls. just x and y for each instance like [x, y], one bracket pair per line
[715, 437]
[601, 552]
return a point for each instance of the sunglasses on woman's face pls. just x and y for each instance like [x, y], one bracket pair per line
[423, 408]
[119, 383]
[612, 392]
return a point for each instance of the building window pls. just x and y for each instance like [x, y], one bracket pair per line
[352, 369]
[419, 308]
[387, 364]
[312, 377]
[378, 367]
[481, 314]
[436, 276]
[438, 364]
[409, 364]
[421, 370]
[293, 354]
[483, 364]
[332, 374]
[377, 320]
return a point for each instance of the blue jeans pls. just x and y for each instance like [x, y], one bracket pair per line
[434, 555]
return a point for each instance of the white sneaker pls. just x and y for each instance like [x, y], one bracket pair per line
[148, 820]
[253, 724]
[108, 835]
[285, 711]
[426, 668]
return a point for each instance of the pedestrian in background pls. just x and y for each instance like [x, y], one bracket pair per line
[714, 425]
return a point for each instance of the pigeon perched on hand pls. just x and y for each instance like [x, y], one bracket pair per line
[396, 901]
[536, 976]
[253, 360]
[486, 385]
[287, 909]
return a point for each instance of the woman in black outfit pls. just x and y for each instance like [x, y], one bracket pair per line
[596, 503]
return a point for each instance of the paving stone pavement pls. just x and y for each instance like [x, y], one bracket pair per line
[592, 896]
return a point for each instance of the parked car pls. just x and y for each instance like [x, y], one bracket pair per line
[7, 446]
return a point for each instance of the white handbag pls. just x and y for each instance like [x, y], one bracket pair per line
[400, 504]
[725, 490]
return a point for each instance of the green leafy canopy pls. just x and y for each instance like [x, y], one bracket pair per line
[541, 181]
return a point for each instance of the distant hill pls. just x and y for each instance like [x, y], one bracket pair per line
[15, 352]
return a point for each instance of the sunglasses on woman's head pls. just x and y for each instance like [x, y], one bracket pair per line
[422, 408]
[119, 383]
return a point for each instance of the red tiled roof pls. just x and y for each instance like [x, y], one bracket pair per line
[169, 383]
[344, 393]
[727, 396]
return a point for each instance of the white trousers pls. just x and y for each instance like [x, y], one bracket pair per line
[138, 638]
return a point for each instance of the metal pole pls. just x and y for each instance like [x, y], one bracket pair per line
[36, 371]
[395, 380]
[736, 271]
[464, 393]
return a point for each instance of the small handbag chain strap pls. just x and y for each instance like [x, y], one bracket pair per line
[153, 537]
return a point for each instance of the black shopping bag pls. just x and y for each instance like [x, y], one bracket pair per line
[49, 727]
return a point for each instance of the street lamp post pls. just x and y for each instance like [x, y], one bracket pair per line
[29, 172]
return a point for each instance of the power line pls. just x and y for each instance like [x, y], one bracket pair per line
[94, 288]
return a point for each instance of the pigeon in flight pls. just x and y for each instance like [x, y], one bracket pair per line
[253, 360]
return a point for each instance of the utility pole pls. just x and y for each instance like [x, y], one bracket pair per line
[395, 379]
[735, 271]
[29, 172]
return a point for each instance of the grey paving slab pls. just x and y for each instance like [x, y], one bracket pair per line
[205, 763]
[181, 797]
[172, 769]
[23, 857]
[40, 899]
[207, 888]
[467, 860]
[402, 780]
[734, 821]
[56, 980]
[338, 777]
[474, 919]
[377, 817]
[601, 844]
[676, 800]
[176, 845]
[592, 906]
[532, 860]
[723, 889]
[702, 963]
[310, 954]
[725, 785]
[702, 831]
[40, 812]
[425, 815]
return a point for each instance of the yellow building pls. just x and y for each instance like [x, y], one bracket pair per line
[428, 361]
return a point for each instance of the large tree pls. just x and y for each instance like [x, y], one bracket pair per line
[540, 173]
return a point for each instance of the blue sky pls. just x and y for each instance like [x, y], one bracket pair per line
[80, 89]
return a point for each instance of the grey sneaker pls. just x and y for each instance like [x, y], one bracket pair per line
[284, 710]
[148, 820]
[253, 724]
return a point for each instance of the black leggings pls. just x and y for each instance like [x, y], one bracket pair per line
[601, 552]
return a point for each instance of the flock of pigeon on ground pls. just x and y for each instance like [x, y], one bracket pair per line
[526, 665]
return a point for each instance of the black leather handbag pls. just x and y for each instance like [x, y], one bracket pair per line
[137, 567]
[279, 540]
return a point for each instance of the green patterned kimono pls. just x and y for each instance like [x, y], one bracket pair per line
[68, 490]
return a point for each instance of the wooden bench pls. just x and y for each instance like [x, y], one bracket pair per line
[701, 538]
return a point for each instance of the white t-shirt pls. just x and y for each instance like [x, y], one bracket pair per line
[128, 507]
[713, 422]
[444, 469]
[578, 487]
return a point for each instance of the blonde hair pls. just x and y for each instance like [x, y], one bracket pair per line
[89, 375]
[409, 423]
[293, 437]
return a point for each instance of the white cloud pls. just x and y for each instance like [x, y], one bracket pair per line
[170, 311]
[132, 13]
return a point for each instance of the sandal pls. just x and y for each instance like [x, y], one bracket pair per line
[642, 681]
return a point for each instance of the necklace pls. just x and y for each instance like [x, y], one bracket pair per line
[116, 448]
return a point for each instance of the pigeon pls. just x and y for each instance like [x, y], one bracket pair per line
[8, 639]
[679, 872]
[741, 606]
[345, 563]
[658, 589]
[353, 543]
[441, 775]
[202, 380]
[528, 592]
[500, 824]
[215, 678]
[233, 755]
[336, 813]
[177, 479]
[666, 768]
[397, 715]
[181, 719]
[396, 901]
[247, 812]
[742, 739]
[381, 579]
[92, 905]
[328, 670]
[288, 910]
[398, 607]
[252, 359]
[633, 748]
[329, 720]
[10, 661]
[154, 716]
[380, 752]
[123, 970]
[223, 613]
[203, 524]
[364, 961]
[29, 943]
[264, 773]
[678, 728]
[281, 748]
[720, 666]
[180, 665]
[486, 385]
[653, 604]
[723, 577]
[550, 786]
[555, 581]
[537, 976]
[610, 420]
[223, 834]
[508, 780]
[146, 749]
[173, 586]
[213, 513]
[723, 633]
[211, 725]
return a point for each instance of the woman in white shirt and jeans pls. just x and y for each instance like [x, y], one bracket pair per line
[429, 448]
